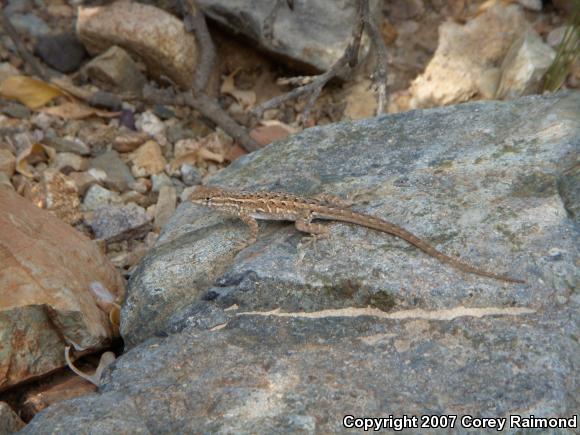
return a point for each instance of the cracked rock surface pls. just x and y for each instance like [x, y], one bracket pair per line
[288, 336]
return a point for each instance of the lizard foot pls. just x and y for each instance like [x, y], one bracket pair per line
[311, 241]
[239, 245]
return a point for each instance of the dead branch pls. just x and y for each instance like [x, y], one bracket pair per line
[380, 74]
[268, 27]
[196, 97]
[343, 67]
[205, 105]
[194, 21]
[209, 108]
[351, 52]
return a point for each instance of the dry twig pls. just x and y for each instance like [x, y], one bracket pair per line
[380, 74]
[197, 98]
[194, 21]
[343, 67]
[268, 27]
[208, 107]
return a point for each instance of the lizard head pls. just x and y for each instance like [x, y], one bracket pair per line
[205, 195]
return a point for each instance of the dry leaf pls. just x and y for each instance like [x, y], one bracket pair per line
[217, 142]
[66, 85]
[31, 155]
[30, 92]
[205, 154]
[77, 110]
[187, 158]
[107, 301]
[115, 318]
[235, 152]
[107, 358]
[268, 133]
[272, 122]
[186, 146]
[246, 98]
[194, 157]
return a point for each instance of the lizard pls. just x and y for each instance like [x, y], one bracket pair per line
[251, 206]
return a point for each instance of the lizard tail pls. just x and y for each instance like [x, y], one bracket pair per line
[395, 230]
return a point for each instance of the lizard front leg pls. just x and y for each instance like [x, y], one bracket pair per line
[254, 228]
[316, 231]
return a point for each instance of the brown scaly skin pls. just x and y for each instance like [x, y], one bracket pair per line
[249, 206]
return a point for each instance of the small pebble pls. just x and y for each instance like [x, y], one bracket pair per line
[68, 162]
[150, 124]
[7, 162]
[163, 112]
[555, 36]
[165, 206]
[63, 145]
[29, 24]
[115, 223]
[141, 185]
[98, 196]
[147, 160]
[125, 143]
[160, 180]
[127, 119]
[555, 254]
[83, 180]
[106, 100]
[190, 175]
[15, 110]
[118, 174]
[63, 52]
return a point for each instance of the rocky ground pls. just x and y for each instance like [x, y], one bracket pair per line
[86, 153]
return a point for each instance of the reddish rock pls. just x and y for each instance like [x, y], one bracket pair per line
[46, 301]
[66, 387]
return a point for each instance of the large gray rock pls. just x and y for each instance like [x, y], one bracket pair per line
[290, 337]
[314, 34]
[296, 374]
